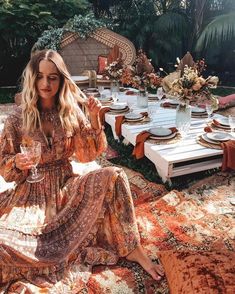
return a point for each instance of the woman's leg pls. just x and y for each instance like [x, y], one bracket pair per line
[119, 230]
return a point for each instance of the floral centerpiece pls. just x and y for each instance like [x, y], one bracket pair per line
[193, 88]
[114, 71]
[141, 75]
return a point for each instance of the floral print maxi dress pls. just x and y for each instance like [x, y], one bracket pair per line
[65, 219]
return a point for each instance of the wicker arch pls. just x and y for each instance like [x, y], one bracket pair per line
[109, 39]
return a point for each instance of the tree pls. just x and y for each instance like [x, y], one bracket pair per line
[21, 23]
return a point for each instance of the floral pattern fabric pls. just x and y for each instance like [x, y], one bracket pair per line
[66, 220]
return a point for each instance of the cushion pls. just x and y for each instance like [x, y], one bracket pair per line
[199, 271]
[102, 63]
[227, 101]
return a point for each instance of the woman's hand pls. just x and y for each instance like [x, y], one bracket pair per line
[22, 162]
[93, 105]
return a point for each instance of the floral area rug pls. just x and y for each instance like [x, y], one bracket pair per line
[198, 218]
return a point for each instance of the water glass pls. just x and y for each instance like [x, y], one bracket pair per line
[209, 111]
[152, 110]
[183, 128]
[101, 90]
[231, 120]
[160, 93]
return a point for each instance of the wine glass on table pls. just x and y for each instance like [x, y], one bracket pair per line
[231, 121]
[209, 111]
[183, 127]
[33, 153]
[152, 111]
[101, 90]
[160, 94]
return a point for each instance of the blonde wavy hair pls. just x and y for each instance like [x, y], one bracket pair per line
[69, 95]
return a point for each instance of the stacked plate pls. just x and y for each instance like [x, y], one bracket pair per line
[173, 103]
[221, 123]
[104, 99]
[134, 117]
[92, 92]
[152, 96]
[119, 108]
[198, 112]
[161, 133]
[216, 137]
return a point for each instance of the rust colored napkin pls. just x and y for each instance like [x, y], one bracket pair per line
[118, 124]
[208, 129]
[166, 104]
[138, 151]
[229, 155]
[119, 121]
[102, 112]
[129, 92]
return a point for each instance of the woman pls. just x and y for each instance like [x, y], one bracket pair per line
[65, 219]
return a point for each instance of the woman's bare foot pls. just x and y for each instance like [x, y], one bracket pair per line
[138, 255]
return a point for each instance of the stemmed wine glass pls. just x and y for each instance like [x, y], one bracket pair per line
[101, 90]
[209, 111]
[183, 127]
[33, 153]
[231, 120]
[152, 111]
[160, 94]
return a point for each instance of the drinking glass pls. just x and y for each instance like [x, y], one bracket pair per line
[101, 90]
[231, 120]
[152, 111]
[160, 94]
[33, 153]
[209, 111]
[130, 103]
[114, 93]
[183, 128]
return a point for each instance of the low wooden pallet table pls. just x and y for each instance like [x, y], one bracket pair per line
[176, 159]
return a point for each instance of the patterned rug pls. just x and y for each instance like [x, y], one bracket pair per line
[198, 218]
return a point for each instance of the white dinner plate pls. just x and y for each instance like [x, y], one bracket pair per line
[118, 111]
[163, 138]
[198, 110]
[152, 95]
[133, 116]
[118, 107]
[219, 136]
[92, 90]
[205, 138]
[160, 132]
[173, 102]
[80, 78]
[223, 121]
[104, 99]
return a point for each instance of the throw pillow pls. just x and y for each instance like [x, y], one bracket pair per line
[227, 101]
[102, 63]
[199, 271]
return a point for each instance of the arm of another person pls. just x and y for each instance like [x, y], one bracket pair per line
[8, 150]
[90, 140]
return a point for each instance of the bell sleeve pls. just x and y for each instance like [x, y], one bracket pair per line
[88, 142]
[8, 149]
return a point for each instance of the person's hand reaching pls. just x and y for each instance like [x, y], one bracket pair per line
[93, 105]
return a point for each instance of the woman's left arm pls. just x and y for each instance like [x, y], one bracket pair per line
[90, 140]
